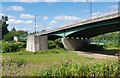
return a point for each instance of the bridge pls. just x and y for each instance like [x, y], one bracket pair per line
[71, 34]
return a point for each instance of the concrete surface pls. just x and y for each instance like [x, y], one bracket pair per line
[74, 44]
[37, 43]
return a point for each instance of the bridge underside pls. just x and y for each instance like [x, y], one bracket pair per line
[92, 32]
[53, 37]
[89, 30]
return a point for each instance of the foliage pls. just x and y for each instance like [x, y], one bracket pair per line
[59, 43]
[4, 25]
[13, 29]
[36, 64]
[51, 44]
[11, 34]
[110, 44]
[109, 39]
[109, 36]
[12, 46]
[55, 44]
[54, 51]
[70, 69]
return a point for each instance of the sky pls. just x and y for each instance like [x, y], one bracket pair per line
[58, 0]
[51, 14]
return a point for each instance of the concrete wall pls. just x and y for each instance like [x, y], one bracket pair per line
[74, 44]
[37, 43]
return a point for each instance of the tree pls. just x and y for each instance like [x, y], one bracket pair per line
[13, 29]
[13, 32]
[3, 26]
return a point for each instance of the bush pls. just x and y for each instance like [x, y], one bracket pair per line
[51, 44]
[8, 37]
[20, 44]
[112, 44]
[55, 44]
[59, 43]
[12, 46]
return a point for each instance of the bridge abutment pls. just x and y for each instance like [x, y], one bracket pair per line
[37, 43]
[74, 44]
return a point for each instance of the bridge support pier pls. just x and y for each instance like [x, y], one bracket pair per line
[37, 43]
[74, 44]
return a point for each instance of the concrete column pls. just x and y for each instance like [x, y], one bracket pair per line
[74, 44]
[37, 43]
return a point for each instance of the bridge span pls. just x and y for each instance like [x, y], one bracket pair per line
[71, 34]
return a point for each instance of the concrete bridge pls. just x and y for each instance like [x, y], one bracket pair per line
[71, 34]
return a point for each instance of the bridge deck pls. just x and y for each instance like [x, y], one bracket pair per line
[102, 18]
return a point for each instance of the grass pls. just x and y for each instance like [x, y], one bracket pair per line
[70, 69]
[32, 64]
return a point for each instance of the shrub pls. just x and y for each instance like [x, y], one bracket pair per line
[20, 44]
[9, 36]
[112, 44]
[55, 44]
[12, 46]
[6, 47]
[51, 44]
[59, 43]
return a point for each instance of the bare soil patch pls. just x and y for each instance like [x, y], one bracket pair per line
[96, 55]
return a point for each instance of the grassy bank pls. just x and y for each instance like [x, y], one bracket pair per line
[36, 64]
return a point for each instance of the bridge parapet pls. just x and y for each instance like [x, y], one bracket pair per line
[105, 17]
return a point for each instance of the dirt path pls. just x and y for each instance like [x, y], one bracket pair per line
[96, 55]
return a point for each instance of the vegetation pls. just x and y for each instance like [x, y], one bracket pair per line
[6, 34]
[56, 62]
[12, 33]
[110, 40]
[55, 44]
[12, 46]
[4, 25]
[109, 36]
[70, 69]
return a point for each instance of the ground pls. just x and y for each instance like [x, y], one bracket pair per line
[96, 55]
[30, 64]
